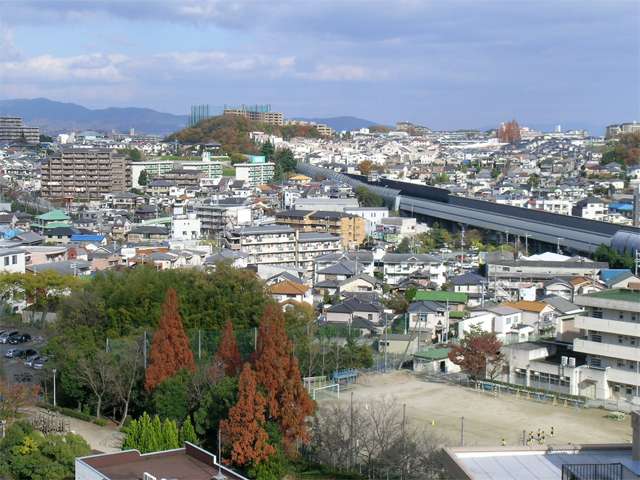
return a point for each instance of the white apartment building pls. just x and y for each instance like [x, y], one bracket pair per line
[185, 227]
[256, 171]
[610, 328]
[591, 208]
[282, 245]
[212, 168]
[398, 266]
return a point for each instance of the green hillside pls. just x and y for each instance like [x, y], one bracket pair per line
[232, 132]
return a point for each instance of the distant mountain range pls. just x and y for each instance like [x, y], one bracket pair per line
[56, 117]
[342, 123]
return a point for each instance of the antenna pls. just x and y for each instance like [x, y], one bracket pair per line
[219, 475]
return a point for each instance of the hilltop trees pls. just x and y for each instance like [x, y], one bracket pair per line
[170, 351]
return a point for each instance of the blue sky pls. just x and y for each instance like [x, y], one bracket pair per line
[445, 64]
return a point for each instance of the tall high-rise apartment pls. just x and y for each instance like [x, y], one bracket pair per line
[12, 130]
[84, 174]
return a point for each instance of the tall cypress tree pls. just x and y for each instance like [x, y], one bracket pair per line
[170, 351]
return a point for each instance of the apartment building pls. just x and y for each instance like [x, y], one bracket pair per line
[610, 328]
[84, 174]
[510, 276]
[399, 266]
[13, 130]
[281, 245]
[216, 215]
[259, 113]
[256, 171]
[591, 208]
[156, 168]
[350, 228]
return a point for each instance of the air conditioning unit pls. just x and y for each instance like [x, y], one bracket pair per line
[564, 360]
[572, 362]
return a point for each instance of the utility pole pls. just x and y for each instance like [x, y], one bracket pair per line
[404, 441]
[199, 344]
[462, 431]
[144, 349]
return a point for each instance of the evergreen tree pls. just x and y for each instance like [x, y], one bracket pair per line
[170, 436]
[267, 150]
[170, 351]
[187, 432]
[245, 426]
[143, 179]
[228, 352]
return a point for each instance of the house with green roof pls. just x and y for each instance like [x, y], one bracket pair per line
[455, 300]
[51, 219]
[434, 360]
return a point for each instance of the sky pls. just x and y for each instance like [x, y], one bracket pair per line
[444, 64]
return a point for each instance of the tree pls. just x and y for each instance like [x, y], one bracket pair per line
[147, 434]
[95, 371]
[26, 454]
[367, 198]
[365, 167]
[272, 357]
[605, 253]
[267, 150]
[277, 371]
[213, 407]
[170, 351]
[297, 405]
[244, 429]
[143, 178]
[124, 375]
[228, 352]
[170, 398]
[476, 351]
[14, 396]
[374, 441]
[187, 432]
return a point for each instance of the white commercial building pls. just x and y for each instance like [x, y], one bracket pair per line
[372, 215]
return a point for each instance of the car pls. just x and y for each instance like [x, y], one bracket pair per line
[29, 356]
[16, 339]
[23, 377]
[13, 353]
[39, 363]
[4, 337]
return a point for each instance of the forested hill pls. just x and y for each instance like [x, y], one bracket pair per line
[232, 132]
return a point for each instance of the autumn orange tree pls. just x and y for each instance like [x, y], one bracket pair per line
[228, 352]
[509, 132]
[244, 428]
[170, 351]
[277, 372]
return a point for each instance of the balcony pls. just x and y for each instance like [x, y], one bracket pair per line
[619, 327]
[606, 349]
[622, 375]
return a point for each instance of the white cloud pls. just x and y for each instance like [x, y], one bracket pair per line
[8, 49]
[98, 67]
[326, 72]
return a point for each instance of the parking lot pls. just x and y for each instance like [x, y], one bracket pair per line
[13, 369]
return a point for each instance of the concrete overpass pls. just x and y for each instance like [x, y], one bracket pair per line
[574, 233]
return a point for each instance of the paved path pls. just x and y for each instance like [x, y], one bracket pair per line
[103, 439]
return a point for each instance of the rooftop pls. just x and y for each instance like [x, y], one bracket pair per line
[441, 296]
[189, 463]
[617, 294]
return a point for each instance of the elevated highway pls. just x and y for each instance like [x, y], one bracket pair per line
[574, 233]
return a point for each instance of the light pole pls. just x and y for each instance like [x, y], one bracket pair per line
[558, 245]
[54, 387]
[526, 244]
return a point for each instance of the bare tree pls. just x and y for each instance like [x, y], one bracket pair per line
[375, 439]
[95, 372]
[123, 375]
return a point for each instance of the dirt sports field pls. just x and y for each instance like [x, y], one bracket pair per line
[438, 407]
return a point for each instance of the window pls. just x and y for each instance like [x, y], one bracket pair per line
[620, 339]
[595, 362]
[621, 316]
[14, 259]
[629, 391]
[596, 338]
[6, 261]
